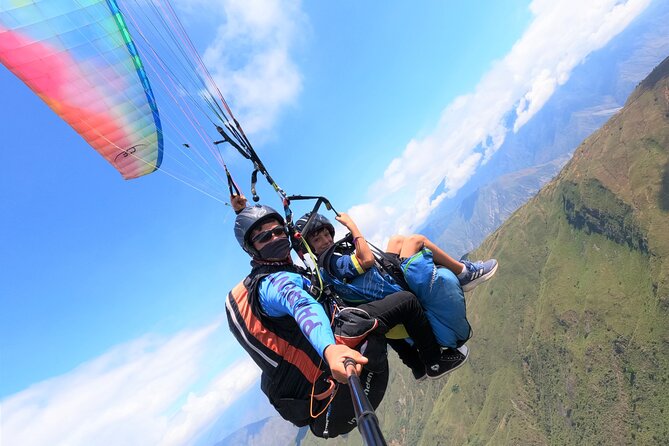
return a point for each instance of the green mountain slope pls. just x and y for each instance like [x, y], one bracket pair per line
[572, 337]
[571, 342]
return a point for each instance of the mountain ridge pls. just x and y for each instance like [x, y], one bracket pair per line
[571, 337]
[596, 89]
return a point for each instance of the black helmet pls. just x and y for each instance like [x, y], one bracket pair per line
[316, 224]
[250, 218]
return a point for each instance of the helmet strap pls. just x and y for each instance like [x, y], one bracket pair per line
[258, 261]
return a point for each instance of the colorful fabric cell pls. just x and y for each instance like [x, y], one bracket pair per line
[79, 58]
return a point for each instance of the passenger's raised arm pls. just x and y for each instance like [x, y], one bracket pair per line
[363, 253]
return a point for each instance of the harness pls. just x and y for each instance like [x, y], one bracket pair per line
[294, 378]
[390, 264]
[279, 348]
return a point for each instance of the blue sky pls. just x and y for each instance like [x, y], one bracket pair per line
[111, 291]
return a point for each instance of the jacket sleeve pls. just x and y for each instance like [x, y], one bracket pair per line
[346, 266]
[283, 294]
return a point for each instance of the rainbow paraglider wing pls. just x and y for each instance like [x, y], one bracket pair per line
[78, 56]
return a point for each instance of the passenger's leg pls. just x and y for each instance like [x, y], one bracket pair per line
[416, 242]
[403, 308]
[410, 357]
[395, 244]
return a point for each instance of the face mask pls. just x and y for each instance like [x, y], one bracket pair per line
[277, 249]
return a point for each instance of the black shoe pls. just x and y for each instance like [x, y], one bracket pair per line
[419, 373]
[450, 360]
[409, 355]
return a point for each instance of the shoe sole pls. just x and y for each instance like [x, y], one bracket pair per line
[449, 370]
[474, 283]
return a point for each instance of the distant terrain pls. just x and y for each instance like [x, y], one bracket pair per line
[531, 157]
[271, 431]
[571, 342]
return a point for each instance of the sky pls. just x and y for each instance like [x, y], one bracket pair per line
[112, 292]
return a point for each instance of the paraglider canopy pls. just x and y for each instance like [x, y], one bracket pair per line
[79, 58]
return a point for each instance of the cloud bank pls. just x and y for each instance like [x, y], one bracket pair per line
[250, 58]
[470, 129]
[139, 393]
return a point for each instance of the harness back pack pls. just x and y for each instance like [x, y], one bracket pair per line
[278, 347]
[294, 378]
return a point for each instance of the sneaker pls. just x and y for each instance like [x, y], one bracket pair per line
[450, 360]
[419, 374]
[409, 355]
[476, 273]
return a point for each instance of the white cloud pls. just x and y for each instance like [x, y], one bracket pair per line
[541, 90]
[202, 410]
[250, 58]
[470, 129]
[138, 393]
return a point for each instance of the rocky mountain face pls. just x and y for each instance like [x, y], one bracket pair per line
[537, 152]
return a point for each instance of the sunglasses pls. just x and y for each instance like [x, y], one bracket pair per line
[266, 236]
